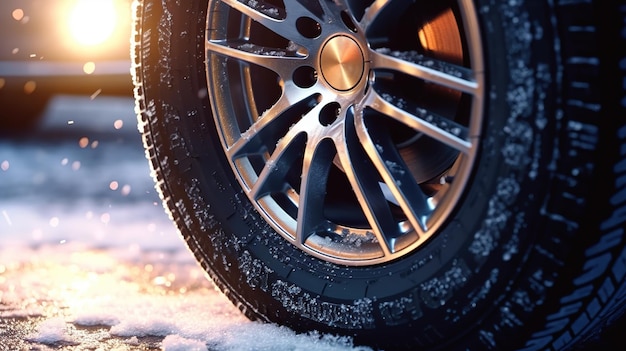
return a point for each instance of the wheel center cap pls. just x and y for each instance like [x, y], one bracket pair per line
[342, 63]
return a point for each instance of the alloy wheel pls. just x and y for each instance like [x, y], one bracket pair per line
[352, 129]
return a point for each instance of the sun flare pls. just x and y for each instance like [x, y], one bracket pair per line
[92, 22]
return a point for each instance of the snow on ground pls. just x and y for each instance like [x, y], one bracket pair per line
[84, 296]
[88, 258]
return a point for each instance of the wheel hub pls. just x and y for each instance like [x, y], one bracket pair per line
[342, 63]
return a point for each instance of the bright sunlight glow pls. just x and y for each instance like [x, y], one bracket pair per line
[92, 22]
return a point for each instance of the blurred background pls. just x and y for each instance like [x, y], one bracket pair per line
[56, 47]
[69, 144]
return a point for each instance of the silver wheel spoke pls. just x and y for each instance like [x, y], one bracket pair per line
[430, 70]
[372, 12]
[271, 58]
[253, 139]
[273, 175]
[391, 167]
[369, 195]
[272, 18]
[259, 11]
[423, 121]
[318, 158]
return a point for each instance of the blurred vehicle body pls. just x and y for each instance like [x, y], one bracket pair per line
[66, 46]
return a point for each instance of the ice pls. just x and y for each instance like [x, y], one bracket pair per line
[24, 313]
[178, 343]
[358, 315]
[52, 331]
[266, 9]
[435, 292]
[259, 50]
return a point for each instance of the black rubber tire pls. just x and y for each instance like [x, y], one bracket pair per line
[534, 257]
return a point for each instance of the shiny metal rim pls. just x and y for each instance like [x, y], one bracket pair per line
[351, 126]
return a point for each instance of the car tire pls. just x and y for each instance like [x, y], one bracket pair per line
[409, 174]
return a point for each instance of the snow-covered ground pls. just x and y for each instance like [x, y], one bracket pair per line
[88, 258]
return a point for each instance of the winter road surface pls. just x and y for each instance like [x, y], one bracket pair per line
[88, 258]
